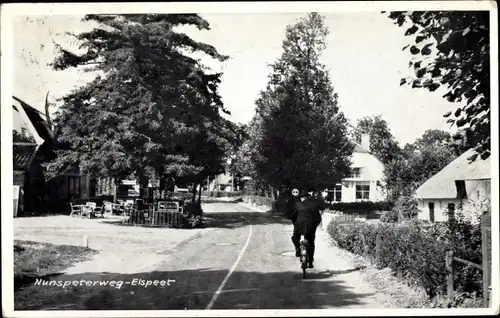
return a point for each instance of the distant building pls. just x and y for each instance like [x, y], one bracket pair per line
[365, 180]
[458, 184]
[222, 182]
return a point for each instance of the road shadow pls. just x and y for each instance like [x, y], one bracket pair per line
[192, 289]
[148, 225]
[231, 220]
[339, 272]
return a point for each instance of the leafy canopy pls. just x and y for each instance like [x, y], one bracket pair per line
[302, 136]
[452, 50]
[418, 162]
[383, 145]
[153, 108]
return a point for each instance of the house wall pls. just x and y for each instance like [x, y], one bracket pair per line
[477, 190]
[224, 180]
[440, 209]
[372, 172]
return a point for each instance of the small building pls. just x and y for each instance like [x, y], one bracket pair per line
[34, 143]
[222, 182]
[459, 184]
[365, 180]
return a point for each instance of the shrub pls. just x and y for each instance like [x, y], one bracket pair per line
[192, 221]
[460, 299]
[390, 216]
[363, 208]
[193, 215]
[417, 249]
[405, 207]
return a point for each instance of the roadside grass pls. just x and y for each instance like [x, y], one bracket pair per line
[35, 259]
[394, 292]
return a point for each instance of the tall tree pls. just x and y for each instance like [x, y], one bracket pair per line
[382, 142]
[248, 155]
[452, 49]
[150, 103]
[418, 162]
[304, 139]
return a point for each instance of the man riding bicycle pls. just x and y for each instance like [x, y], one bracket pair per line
[304, 212]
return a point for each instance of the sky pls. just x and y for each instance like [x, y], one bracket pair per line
[364, 57]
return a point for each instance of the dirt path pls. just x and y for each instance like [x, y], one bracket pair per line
[123, 249]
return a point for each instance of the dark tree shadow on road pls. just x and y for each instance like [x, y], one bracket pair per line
[193, 289]
[231, 220]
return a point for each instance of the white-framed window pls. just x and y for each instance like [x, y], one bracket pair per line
[355, 173]
[362, 192]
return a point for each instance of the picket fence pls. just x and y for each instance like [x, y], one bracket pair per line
[154, 218]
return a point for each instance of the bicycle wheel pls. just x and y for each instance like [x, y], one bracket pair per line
[303, 258]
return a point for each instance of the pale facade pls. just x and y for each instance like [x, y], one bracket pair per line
[365, 180]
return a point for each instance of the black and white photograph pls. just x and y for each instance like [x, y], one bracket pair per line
[250, 159]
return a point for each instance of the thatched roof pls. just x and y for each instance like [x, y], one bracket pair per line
[442, 184]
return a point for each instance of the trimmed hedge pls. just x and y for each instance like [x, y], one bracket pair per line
[219, 194]
[417, 249]
[361, 207]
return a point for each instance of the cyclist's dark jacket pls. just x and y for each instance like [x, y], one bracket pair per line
[291, 212]
[308, 215]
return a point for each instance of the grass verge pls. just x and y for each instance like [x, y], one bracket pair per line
[34, 260]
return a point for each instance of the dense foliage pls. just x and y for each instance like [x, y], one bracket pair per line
[417, 249]
[299, 136]
[361, 207]
[383, 144]
[452, 50]
[418, 161]
[153, 111]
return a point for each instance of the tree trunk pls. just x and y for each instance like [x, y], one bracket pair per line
[115, 185]
[199, 193]
[143, 187]
[162, 183]
[194, 192]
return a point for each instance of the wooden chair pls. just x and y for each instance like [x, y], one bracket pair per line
[87, 211]
[107, 208]
[98, 210]
[75, 209]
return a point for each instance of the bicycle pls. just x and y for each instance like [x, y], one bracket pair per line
[304, 257]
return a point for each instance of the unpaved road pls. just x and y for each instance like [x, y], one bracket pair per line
[246, 261]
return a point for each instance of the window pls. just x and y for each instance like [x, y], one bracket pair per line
[355, 173]
[337, 193]
[362, 192]
[461, 191]
[431, 211]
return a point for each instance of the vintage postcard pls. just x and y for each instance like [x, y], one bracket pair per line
[250, 159]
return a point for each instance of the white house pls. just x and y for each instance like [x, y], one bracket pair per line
[460, 183]
[222, 182]
[365, 180]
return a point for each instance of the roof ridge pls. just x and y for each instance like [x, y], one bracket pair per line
[29, 106]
